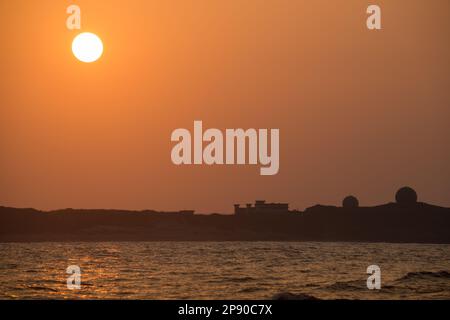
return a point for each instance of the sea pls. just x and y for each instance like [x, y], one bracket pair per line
[223, 270]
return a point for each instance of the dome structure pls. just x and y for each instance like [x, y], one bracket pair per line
[350, 202]
[406, 196]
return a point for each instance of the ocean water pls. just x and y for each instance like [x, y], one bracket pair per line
[223, 270]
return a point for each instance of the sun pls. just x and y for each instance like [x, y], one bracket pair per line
[87, 47]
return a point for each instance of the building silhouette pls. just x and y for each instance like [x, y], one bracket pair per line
[406, 196]
[261, 207]
[350, 202]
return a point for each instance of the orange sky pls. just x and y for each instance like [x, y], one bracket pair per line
[360, 112]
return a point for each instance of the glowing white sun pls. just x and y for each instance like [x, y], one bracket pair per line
[87, 47]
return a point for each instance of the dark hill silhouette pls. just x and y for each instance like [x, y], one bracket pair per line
[404, 221]
[391, 222]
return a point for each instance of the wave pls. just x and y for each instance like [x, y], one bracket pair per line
[293, 296]
[356, 285]
[237, 279]
[425, 275]
[353, 285]
[250, 290]
[41, 288]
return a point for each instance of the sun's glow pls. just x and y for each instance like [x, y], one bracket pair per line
[87, 47]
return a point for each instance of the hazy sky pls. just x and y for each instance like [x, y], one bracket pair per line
[360, 112]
